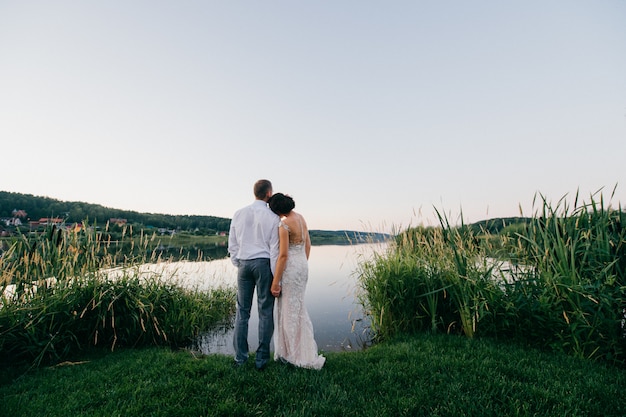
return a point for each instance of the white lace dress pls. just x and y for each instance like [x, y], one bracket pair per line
[293, 333]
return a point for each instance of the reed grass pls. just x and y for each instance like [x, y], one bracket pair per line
[59, 297]
[565, 287]
[578, 254]
[432, 279]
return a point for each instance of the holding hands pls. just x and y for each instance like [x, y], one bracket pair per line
[275, 289]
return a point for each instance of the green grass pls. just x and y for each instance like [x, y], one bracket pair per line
[424, 375]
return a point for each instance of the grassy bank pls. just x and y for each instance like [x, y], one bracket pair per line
[424, 375]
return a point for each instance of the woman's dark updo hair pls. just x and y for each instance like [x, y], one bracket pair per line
[281, 203]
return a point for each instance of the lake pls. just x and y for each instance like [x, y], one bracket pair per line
[330, 299]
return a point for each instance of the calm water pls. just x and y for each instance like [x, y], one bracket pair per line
[330, 298]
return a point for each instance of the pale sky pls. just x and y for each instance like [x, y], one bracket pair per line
[369, 113]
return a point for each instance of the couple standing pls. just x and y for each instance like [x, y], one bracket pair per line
[269, 244]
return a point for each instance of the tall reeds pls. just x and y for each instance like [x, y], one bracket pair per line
[564, 287]
[578, 254]
[58, 297]
[434, 279]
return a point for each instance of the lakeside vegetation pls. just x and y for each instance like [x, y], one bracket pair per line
[524, 320]
[59, 297]
[558, 282]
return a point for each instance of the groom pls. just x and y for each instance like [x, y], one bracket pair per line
[253, 249]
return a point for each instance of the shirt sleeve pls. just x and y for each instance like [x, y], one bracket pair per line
[233, 244]
[274, 246]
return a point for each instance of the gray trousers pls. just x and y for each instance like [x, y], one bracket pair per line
[251, 274]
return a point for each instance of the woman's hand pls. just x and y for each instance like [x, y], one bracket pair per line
[275, 290]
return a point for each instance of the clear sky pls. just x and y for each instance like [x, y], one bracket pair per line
[369, 113]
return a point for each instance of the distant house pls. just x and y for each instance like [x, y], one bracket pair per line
[19, 213]
[13, 221]
[46, 221]
[16, 219]
[116, 221]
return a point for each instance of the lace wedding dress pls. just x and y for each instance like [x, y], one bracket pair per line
[293, 335]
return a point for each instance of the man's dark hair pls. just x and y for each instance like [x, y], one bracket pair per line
[261, 188]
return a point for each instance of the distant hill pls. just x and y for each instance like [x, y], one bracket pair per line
[76, 212]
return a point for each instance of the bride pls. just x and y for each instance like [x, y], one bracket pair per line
[293, 336]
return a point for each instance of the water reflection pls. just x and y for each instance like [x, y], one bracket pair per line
[195, 252]
[330, 299]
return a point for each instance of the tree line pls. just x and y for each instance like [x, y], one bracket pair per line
[37, 207]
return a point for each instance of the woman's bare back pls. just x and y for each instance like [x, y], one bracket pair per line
[297, 228]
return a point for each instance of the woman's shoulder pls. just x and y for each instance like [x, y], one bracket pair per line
[300, 220]
[294, 220]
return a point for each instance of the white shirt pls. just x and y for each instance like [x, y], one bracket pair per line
[254, 234]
